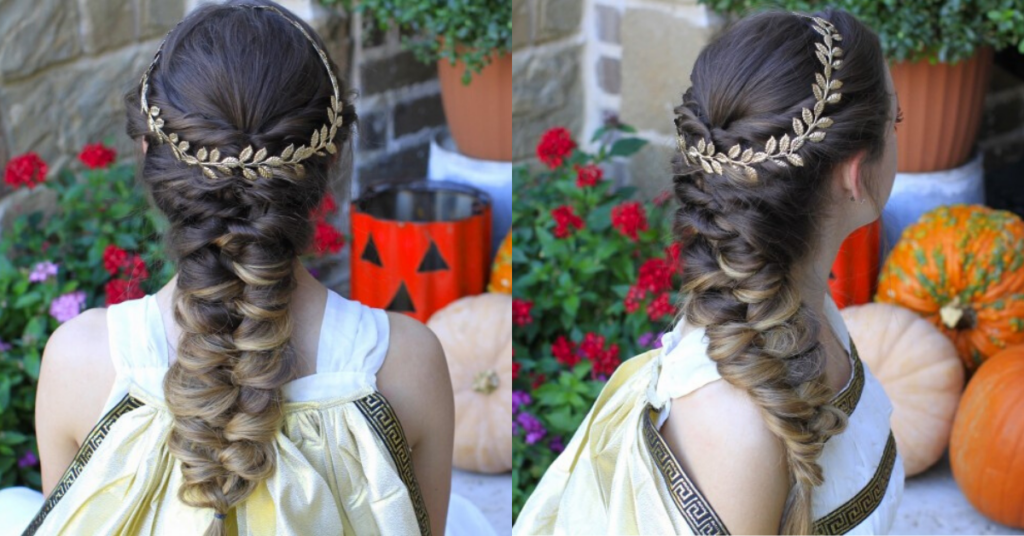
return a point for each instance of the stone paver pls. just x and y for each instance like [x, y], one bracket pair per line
[491, 493]
[933, 504]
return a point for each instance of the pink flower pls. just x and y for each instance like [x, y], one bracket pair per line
[42, 271]
[67, 306]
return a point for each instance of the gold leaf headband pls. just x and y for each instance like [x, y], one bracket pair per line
[808, 127]
[252, 163]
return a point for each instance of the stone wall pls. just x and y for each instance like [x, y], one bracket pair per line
[578, 63]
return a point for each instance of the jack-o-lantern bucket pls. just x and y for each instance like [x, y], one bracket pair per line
[419, 246]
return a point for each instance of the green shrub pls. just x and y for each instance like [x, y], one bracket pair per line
[935, 30]
[453, 30]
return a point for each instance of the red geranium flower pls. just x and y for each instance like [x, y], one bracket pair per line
[114, 258]
[660, 307]
[655, 275]
[119, 290]
[97, 155]
[588, 175]
[538, 380]
[521, 312]
[555, 145]
[605, 360]
[25, 170]
[135, 268]
[674, 255]
[629, 218]
[565, 217]
[564, 351]
[515, 369]
[633, 297]
[327, 238]
[327, 206]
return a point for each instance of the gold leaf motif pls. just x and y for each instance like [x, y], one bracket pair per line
[201, 155]
[224, 169]
[334, 130]
[331, 148]
[836, 52]
[819, 107]
[260, 155]
[808, 117]
[751, 174]
[816, 136]
[316, 138]
[784, 143]
[230, 161]
[795, 159]
[828, 41]
[701, 145]
[288, 151]
[798, 126]
[215, 155]
[249, 174]
[833, 98]
[323, 134]
[710, 149]
[821, 47]
[820, 30]
[209, 172]
[717, 167]
[825, 122]
[265, 172]
[759, 157]
[818, 95]
[154, 111]
[330, 115]
[835, 84]
[246, 154]
[837, 64]
[770, 146]
[780, 163]
[706, 166]
[734, 151]
[274, 161]
[822, 58]
[300, 171]
[797, 143]
[334, 102]
[747, 155]
[721, 157]
[828, 70]
[173, 137]
[820, 79]
[183, 146]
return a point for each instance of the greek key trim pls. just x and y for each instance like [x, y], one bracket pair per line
[385, 424]
[854, 511]
[92, 443]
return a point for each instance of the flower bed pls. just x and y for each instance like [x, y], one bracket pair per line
[595, 279]
[100, 246]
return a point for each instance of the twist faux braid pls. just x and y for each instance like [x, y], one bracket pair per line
[230, 78]
[742, 240]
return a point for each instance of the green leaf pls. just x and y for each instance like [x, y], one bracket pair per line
[627, 146]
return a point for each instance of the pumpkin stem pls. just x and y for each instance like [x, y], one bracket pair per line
[958, 316]
[486, 382]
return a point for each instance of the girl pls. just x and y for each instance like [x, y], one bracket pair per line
[244, 397]
[756, 415]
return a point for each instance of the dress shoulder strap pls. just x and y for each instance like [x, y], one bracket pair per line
[354, 337]
[136, 335]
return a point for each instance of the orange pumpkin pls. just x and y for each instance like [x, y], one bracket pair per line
[988, 438]
[962, 268]
[501, 272]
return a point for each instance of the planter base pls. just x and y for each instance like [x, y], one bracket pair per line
[913, 194]
[492, 177]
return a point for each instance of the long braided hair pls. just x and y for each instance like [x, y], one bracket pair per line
[742, 241]
[230, 77]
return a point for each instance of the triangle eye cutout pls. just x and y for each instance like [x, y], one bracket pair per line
[370, 253]
[402, 302]
[432, 261]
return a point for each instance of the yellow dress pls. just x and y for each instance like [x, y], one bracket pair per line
[618, 476]
[343, 464]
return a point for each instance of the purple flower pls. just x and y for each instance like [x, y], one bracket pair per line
[519, 399]
[42, 271]
[650, 339]
[28, 460]
[314, 272]
[67, 306]
[4, 346]
[534, 429]
[556, 444]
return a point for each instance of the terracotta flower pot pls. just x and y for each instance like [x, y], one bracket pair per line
[479, 115]
[942, 105]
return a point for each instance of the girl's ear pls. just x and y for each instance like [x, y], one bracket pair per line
[851, 174]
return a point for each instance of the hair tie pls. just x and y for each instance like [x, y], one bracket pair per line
[219, 515]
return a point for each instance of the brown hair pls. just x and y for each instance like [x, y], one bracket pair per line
[741, 241]
[228, 77]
